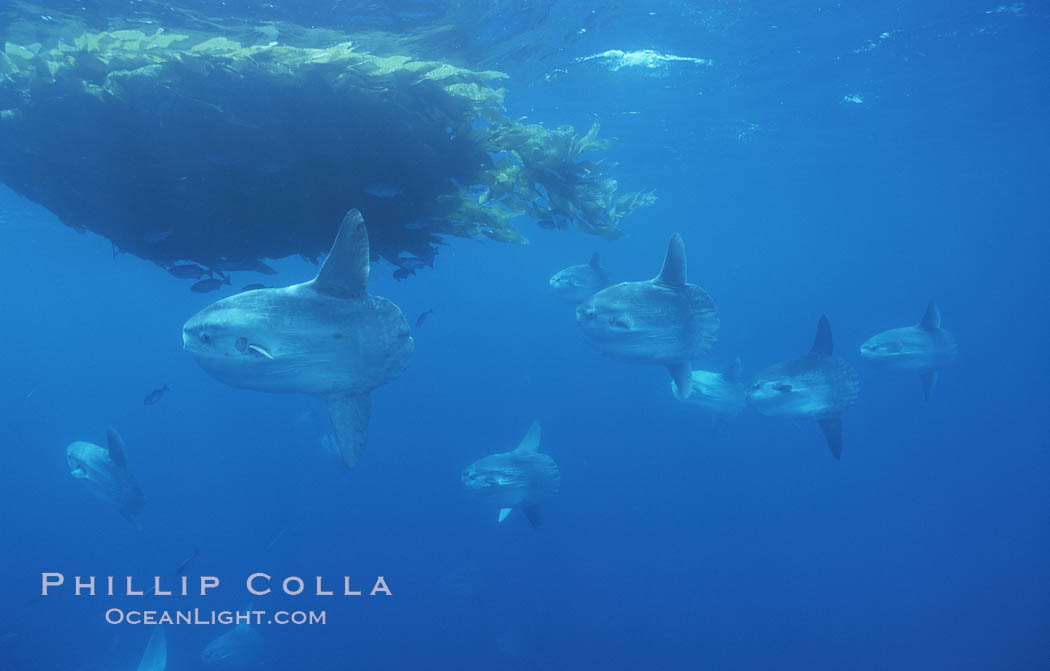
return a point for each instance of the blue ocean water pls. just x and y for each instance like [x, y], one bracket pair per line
[853, 160]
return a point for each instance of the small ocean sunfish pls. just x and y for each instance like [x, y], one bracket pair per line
[924, 348]
[521, 479]
[104, 471]
[576, 284]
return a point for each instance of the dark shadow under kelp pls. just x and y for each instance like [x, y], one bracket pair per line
[198, 147]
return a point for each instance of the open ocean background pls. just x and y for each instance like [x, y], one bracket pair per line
[849, 159]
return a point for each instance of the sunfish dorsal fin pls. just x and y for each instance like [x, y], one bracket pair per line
[673, 272]
[531, 441]
[115, 444]
[822, 343]
[932, 319]
[596, 261]
[832, 428]
[345, 271]
[733, 371]
[349, 416]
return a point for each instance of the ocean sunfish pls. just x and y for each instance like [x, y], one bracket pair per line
[925, 348]
[521, 479]
[722, 393]
[817, 386]
[662, 321]
[576, 284]
[104, 471]
[328, 338]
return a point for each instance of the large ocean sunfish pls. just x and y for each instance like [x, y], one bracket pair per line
[328, 338]
[662, 321]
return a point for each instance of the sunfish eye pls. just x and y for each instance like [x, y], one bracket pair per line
[782, 387]
[241, 344]
[205, 338]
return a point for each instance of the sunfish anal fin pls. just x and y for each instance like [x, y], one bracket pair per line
[345, 271]
[116, 448]
[929, 381]
[531, 441]
[596, 261]
[822, 341]
[673, 273]
[931, 321]
[503, 512]
[350, 415]
[532, 514]
[832, 428]
[682, 374]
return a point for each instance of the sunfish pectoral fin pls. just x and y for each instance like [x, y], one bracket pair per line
[261, 351]
[531, 441]
[682, 374]
[345, 271]
[832, 428]
[503, 512]
[116, 448]
[822, 341]
[931, 320]
[350, 415]
[673, 273]
[532, 514]
[929, 381]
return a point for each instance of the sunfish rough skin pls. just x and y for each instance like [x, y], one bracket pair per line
[104, 471]
[520, 479]
[720, 393]
[578, 283]
[327, 338]
[818, 386]
[924, 348]
[660, 321]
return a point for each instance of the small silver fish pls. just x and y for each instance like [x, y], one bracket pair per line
[210, 284]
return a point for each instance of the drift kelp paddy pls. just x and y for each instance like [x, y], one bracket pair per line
[227, 147]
